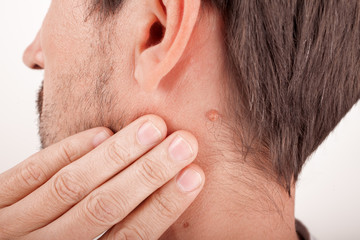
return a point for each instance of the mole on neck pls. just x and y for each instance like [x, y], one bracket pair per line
[213, 115]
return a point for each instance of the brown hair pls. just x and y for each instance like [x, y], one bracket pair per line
[295, 70]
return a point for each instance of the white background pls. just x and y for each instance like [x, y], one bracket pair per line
[328, 193]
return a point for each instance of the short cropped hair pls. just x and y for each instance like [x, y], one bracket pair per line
[294, 67]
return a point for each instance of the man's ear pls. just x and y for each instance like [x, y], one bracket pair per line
[164, 32]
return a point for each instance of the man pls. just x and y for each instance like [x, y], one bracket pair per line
[248, 88]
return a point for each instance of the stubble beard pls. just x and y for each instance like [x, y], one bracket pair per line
[65, 112]
[39, 103]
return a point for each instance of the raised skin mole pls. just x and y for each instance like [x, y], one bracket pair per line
[213, 115]
[186, 224]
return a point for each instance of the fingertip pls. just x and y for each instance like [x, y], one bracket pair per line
[191, 139]
[102, 135]
[159, 123]
[199, 170]
[191, 179]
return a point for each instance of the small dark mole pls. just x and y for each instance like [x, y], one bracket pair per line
[186, 224]
[213, 115]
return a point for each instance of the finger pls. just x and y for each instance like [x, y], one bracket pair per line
[75, 181]
[154, 216]
[113, 201]
[27, 176]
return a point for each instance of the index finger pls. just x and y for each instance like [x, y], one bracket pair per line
[30, 174]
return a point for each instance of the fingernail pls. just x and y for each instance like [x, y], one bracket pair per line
[148, 134]
[189, 180]
[180, 150]
[100, 138]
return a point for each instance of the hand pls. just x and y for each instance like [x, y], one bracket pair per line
[78, 189]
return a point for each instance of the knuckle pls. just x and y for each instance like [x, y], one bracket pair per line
[67, 152]
[165, 206]
[129, 233]
[117, 154]
[32, 174]
[104, 209]
[152, 173]
[67, 189]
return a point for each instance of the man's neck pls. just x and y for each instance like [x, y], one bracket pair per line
[236, 205]
[236, 202]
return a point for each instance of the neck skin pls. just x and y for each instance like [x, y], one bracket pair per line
[236, 205]
[237, 202]
[221, 212]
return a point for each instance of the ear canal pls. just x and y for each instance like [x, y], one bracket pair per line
[157, 32]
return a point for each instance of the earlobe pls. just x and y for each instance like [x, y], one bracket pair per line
[166, 30]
